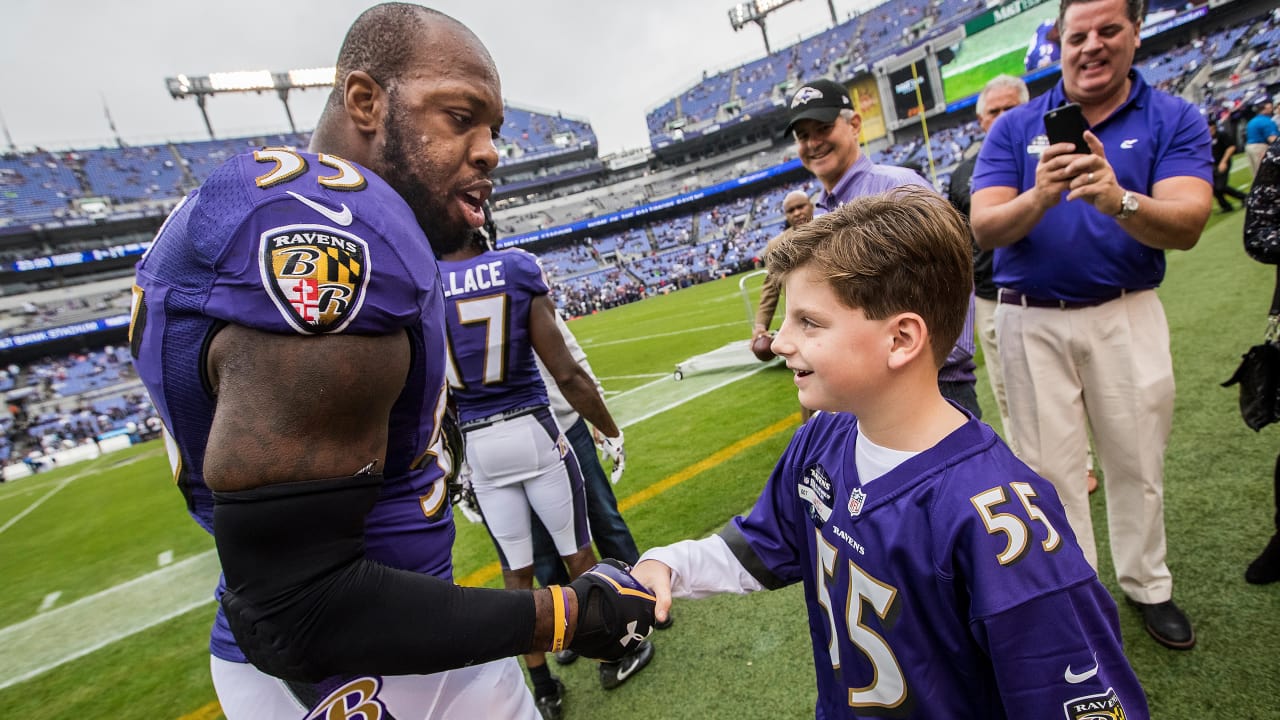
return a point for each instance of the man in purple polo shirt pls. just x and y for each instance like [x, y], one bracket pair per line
[1080, 241]
[826, 127]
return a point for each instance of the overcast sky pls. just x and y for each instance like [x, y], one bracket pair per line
[608, 61]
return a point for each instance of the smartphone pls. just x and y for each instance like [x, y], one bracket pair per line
[1067, 124]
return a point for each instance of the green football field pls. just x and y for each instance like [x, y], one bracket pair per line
[105, 600]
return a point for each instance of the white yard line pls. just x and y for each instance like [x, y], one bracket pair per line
[108, 640]
[642, 376]
[39, 501]
[21, 492]
[686, 396]
[663, 379]
[58, 636]
[61, 484]
[588, 344]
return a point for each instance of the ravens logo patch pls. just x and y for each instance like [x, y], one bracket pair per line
[316, 275]
[1105, 706]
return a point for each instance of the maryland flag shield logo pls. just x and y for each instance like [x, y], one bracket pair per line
[315, 275]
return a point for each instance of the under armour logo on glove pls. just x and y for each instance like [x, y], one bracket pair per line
[615, 612]
[632, 634]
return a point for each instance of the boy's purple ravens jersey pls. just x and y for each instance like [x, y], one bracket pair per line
[295, 243]
[489, 296]
[951, 587]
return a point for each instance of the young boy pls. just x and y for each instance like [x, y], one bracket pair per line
[940, 575]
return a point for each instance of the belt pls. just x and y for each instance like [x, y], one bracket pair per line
[499, 417]
[1013, 297]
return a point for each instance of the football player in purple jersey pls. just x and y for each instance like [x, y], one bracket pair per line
[500, 317]
[1045, 48]
[288, 323]
[940, 575]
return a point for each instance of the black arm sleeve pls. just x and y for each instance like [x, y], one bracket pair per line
[304, 603]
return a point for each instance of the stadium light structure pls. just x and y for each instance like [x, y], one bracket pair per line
[755, 12]
[201, 87]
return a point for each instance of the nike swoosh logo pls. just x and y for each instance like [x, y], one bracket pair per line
[1077, 678]
[625, 671]
[342, 218]
[1129, 143]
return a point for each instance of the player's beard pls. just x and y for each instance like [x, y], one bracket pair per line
[428, 204]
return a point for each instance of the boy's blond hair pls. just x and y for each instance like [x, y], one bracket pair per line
[906, 250]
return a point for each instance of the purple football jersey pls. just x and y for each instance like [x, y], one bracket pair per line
[296, 243]
[949, 587]
[489, 297]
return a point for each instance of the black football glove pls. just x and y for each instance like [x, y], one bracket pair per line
[615, 612]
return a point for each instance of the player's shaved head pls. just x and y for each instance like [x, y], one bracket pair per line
[418, 101]
[384, 42]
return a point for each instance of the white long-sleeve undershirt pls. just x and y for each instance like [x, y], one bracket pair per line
[701, 568]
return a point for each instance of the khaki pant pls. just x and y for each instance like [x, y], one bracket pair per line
[1255, 151]
[1109, 368]
[984, 322]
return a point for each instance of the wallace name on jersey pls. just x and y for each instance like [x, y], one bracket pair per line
[479, 277]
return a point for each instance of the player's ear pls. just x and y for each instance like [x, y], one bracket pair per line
[910, 338]
[364, 100]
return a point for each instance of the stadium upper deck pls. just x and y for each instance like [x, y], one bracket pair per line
[549, 150]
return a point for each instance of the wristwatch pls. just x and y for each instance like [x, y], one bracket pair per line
[1128, 205]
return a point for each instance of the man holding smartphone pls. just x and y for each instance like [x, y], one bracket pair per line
[1080, 241]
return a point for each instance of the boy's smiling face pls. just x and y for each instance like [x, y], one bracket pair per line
[838, 355]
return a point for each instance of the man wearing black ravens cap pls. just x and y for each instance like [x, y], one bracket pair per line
[826, 127]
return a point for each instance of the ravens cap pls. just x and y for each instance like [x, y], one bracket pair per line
[820, 100]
